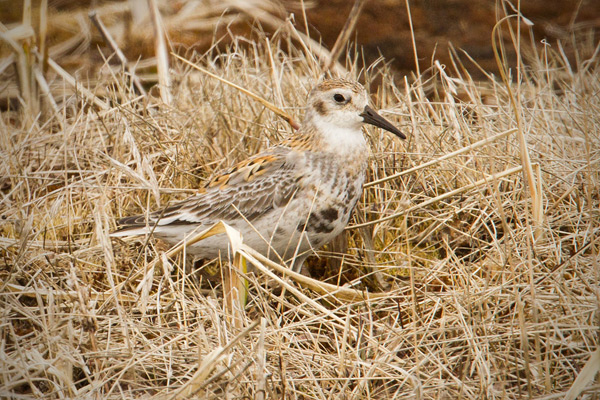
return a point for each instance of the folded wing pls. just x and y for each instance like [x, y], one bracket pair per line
[251, 188]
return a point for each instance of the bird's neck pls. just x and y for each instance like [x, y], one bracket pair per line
[340, 141]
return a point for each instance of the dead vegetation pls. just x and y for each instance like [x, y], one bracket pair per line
[476, 240]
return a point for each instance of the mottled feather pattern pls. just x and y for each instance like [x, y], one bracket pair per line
[330, 84]
[245, 171]
[227, 195]
[290, 198]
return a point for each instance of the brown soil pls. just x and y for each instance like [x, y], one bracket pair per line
[383, 27]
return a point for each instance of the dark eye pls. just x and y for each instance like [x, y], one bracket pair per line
[339, 98]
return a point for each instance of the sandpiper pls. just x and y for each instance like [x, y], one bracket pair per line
[290, 199]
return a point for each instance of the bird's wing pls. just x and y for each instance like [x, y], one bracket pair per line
[251, 188]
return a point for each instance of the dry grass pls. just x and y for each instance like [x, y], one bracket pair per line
[480, 300]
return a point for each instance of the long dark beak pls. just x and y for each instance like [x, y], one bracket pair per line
[370, 116]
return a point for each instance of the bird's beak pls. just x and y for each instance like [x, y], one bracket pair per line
[370, 116]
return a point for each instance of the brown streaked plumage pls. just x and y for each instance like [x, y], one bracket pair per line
[292, 197]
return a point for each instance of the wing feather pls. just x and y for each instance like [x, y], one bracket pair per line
[252, 188]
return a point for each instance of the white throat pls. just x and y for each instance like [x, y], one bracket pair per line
[340, 139]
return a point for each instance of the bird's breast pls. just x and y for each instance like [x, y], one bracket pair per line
[331, 190]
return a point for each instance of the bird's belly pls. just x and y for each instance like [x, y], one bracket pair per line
[274, 234]
[308, 221]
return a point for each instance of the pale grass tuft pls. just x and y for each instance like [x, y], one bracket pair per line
[443, 293]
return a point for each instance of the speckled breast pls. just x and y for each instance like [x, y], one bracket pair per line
[337, 186]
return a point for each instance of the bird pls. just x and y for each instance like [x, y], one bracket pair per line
[289, 199]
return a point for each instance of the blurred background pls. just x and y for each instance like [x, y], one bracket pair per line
[383, 27]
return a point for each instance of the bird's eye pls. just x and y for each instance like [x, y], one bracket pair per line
[339, 98]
